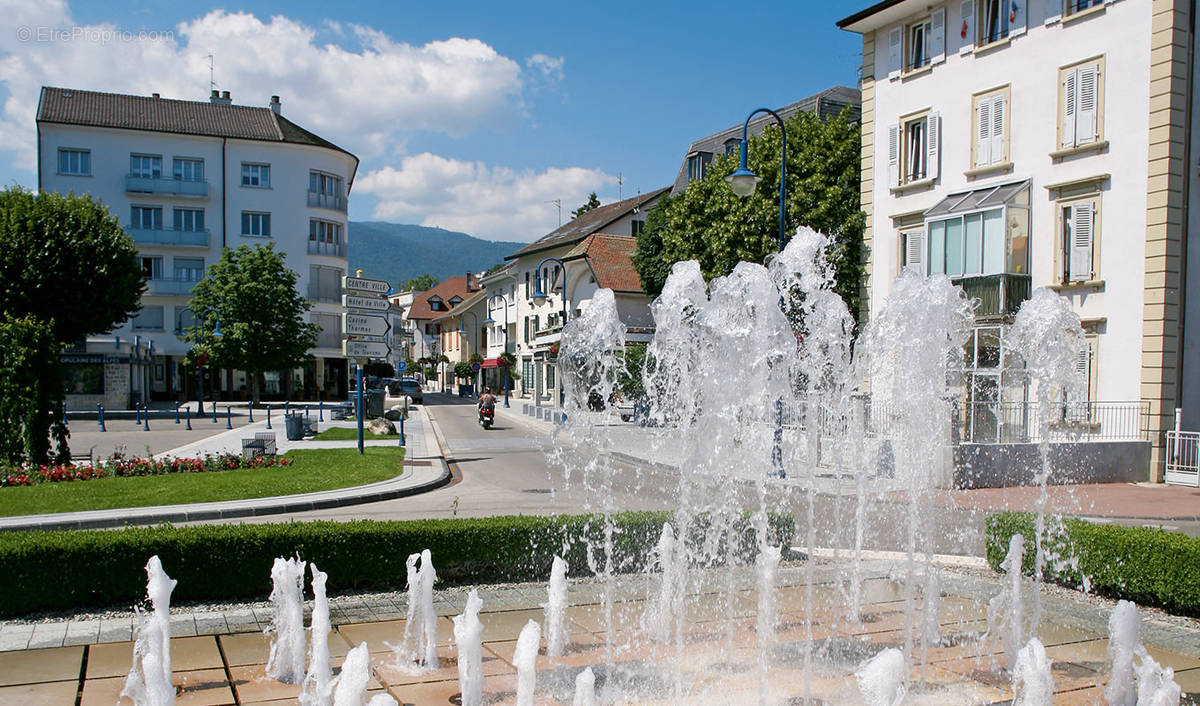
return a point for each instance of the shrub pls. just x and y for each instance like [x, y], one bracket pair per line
[66, 570]
[120, 466]
[1151, 567]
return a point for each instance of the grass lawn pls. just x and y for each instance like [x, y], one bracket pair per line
[313, 470]
[348, 434]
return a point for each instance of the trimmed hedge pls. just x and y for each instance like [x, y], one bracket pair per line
[1151, 567]
[73, 569]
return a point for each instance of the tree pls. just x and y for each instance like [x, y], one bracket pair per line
[261, 313]
[592, 202]
[420, 283]
[379, 369]
[67, 270]
[708, 223]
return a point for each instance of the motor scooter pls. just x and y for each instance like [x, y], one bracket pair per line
[486, 417]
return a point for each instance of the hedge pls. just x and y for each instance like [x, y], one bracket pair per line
[74, 569]
[1151, 567]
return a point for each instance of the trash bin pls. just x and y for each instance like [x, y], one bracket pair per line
[293, 426]
[466, 389]
[374, 403]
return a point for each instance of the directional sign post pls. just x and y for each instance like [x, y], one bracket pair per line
[365, 325]
[364, 329]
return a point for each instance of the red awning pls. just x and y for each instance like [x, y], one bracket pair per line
[493, 363]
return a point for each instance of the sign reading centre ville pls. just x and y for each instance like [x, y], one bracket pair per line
[365, 325]
[362, 284]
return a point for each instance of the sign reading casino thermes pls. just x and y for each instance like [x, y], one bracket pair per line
[362, 284]
[365, 325]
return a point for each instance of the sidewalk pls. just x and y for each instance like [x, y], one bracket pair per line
[424, 469]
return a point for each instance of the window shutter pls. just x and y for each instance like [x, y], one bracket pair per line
[895, 40]
[1016, 17]
[936, 47]
[914, 251]
[1070, 100]
[1082, 222]
[967, 31]
[998, 118]
[1054, 10]
[983, 133]
[1085, 111]
[893, 155]
[933, 135]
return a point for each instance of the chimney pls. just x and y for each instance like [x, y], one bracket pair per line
[471, 286]
[215, 97]
[220, 98]
[276, 106]
[155, 95]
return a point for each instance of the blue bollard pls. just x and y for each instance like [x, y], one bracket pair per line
[268, 417]
[306, 414]
[189, 418]
[320, 411]
[214, 409]
[402, 430]
[287, 407]
[176, 412]
[100, 415]
[250, 412]
[146, 420]
[228, 418]
[137, 412]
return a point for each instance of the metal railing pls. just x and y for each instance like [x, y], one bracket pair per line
[1183, 458]
[1019, 422]
[335, 202]
[998, 295]
[168, 236]
[316, 247]
[171, 286]
[135, 183]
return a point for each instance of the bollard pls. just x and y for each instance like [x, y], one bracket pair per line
[321, 410]
[176, 412]
[402, 430]
[146, 420]
[250, 412]
[228, 418]
[137, 412]
[214, 409]
[64, 419]
[268, 417]
[188, 412]
[100, 415]
[287, 407]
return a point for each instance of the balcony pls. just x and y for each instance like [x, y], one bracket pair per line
[328, 295]
[998, 295]
[330, 249]
[165, 186]
[334, 202]
[170, 287]
[168, 236]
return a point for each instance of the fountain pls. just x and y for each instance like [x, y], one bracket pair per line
[318, 682]
[1032, 681]
[149, 680]
[1006, 616]
[585, 689]
[468, 632]
[556, 609]
[285, 662]
[525, 660]
[1144, 684]
[419, 645]
[881, 679]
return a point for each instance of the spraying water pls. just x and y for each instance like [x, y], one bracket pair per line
[1156, 684]
[525, 660]
[419, 645]
[658, 620]
[556, 609]
[318, 682]
[1006, 610]
[1032, 681]
[149, 680]
[468, 634]
[350, 687]
[286, 660]
[585, 689]
[1130, 684]
[881, 679]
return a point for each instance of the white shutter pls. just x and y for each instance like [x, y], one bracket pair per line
[1016, 17]
[914, 251]
[895, 40]
[933, 135]
[966, 31]
[1085, 112]
[936, 45]
[998, 118]
[893, 155]
[1070, 108]
[983, 133]
[1081, 241]
[1054, 10]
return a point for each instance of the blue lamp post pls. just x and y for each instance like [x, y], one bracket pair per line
[489, 321]
[539, 296]
[462, 328]
[197, 334]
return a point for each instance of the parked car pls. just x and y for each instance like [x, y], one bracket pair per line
[410, 387]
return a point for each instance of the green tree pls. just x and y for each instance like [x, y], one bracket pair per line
[462, 371]
[67, 270]
[420, 283]
[592, 202]
[708, 223]
[261, 312]
[629, 377]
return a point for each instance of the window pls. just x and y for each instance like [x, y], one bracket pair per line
[990, 128]
[526, 330]
[152, 266]
[1081, 104]
[635, 227]
[324, 184]
[189, 269]
[697, 163]
[968, 245]
[912, 249]
[145, 165]
[528, 293]
[325, 283]
[733, 146]
[918, 44]
[146, 217]
[913, 149]
[75, 162]
[188, 169]
[189, 219]
[1077, 240]
[150, 318]
[550, 374]
[256, 175]
[330, 335]
[254, 223]
[1074, 6]
[987, 21]
[325, 238]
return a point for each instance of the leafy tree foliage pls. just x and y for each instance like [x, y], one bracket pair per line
[30, 393]
[462, 371]
[708, 223]
[421, 283]
[592, 202]
[254, 296]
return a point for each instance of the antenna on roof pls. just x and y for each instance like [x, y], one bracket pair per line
[212, 82]
[558, 203]
[620, 187]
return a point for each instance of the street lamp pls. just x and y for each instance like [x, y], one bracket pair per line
[539, 296]
[743, 181]
[489, 321]
[197, 333]
[462, 328]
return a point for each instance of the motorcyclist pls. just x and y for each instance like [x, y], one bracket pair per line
[487, 400]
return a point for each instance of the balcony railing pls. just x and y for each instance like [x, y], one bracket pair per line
[170, 286]
[331, 249]
[168, 236]
[998, 295]
[1019, 422]
[335, 202]
[165, 185]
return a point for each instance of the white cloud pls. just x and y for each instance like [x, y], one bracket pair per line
[364, 94]
[551, 67]
[489, 202]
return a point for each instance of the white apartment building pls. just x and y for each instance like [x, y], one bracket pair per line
[187, 179]
[1016, 144]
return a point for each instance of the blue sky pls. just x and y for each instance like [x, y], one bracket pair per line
[469, 115]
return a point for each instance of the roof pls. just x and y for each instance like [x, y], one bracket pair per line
[611, 259]
[462, 306]
[499, 273]
[593, 221]
[455, 286]
[975, 199]
[879, 14]
[69, 106]
[826, 104]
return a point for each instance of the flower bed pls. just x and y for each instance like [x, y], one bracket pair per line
[120, 466]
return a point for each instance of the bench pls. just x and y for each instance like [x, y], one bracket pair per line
[78, 459]
[263, 444]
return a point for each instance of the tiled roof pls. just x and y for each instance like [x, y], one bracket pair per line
[462, 306]
[591, 222]
[611, 259]
[70, 106]
[447, 290]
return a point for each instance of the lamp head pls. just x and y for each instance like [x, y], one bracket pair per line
[539, 296]
[217, 330]
[743, 182]
[489, 320]
[181, 334]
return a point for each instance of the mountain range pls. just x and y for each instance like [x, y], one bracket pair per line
[397, 252]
